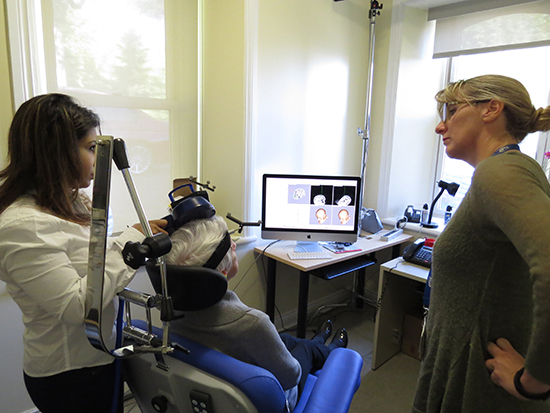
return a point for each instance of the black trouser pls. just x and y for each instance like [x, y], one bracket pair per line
[311, 354]
[87, 390]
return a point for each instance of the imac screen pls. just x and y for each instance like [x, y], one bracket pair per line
[310, 208]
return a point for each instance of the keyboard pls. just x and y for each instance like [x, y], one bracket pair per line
[317, 255]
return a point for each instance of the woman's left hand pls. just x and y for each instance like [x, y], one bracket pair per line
[504, 365]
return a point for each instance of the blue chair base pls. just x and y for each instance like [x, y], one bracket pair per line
[227, 385]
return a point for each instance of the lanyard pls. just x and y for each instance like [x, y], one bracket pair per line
[506, 148]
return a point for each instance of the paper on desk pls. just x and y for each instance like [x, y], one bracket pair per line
[339, 248]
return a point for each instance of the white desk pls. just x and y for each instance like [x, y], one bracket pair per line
[400, 288]
[337, 265]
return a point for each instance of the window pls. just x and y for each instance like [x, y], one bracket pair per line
[512, 41]
[135, 63]
[534, 76]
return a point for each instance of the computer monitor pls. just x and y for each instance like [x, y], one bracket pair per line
[309, 208]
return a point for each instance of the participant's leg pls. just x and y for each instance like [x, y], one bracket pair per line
[311, 355]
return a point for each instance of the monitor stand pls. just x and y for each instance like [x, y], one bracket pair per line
[307, 246]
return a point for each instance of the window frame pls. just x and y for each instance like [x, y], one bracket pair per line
[543, 144]
[33, 64]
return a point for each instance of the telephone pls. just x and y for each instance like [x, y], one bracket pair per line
[412, 215]
[419, 253]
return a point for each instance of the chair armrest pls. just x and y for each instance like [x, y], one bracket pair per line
[337, 383]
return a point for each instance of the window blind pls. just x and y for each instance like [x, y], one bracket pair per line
[504, 28]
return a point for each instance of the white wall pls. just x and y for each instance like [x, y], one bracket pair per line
[309, 69]
[284, 91]
[311, 87]
[223, 103]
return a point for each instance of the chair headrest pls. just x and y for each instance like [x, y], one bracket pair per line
[191, 288]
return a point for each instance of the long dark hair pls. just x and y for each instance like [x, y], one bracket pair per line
[44, 158]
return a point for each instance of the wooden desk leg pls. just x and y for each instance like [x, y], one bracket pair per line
[302, 305]
[270, 293]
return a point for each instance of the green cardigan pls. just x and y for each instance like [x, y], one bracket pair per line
[491, 279]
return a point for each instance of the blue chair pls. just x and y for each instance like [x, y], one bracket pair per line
[228, 385]
[202, 380]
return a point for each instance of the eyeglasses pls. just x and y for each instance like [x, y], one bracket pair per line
[449, 109]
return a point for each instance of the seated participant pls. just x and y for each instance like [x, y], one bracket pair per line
[237, 330]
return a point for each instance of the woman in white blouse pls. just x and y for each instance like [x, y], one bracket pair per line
[44, 236]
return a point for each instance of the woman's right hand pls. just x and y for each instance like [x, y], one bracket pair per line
[157, 226]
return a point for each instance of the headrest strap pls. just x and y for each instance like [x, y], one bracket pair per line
[219, 253]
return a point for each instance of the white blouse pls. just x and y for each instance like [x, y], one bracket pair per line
[43, 261]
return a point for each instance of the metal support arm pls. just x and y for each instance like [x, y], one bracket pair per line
[364, 134]
[107, 150]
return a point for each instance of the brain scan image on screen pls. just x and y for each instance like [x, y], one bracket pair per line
[310, 208]
[321, 215]
[344, 201]
[325, 191]
[344, 217]
[298, 194]
[344, 195]
[319, 200]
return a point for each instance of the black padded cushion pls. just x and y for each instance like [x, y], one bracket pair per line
[188, 209]
[191, 288]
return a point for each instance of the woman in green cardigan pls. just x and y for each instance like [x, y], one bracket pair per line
[488, 328]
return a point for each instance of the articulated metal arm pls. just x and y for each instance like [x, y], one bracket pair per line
[107, 150]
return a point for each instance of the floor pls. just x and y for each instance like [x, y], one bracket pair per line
[389, 389]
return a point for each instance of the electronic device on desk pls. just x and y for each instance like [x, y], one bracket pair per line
[370, 222]
[398, 230]
[420, 252]
[388, 236]
[412, 215]
[310, 208]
